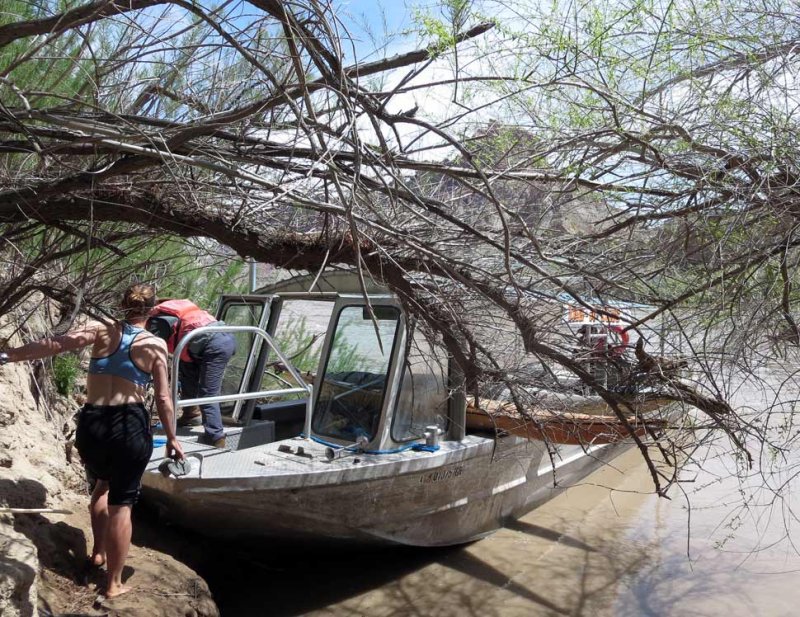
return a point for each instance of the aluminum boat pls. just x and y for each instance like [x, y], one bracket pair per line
[344, 423]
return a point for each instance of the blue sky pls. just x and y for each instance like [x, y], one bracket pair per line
[381, 18]
[396, 10]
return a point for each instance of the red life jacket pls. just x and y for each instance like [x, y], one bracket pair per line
[624, 337]
[190, 315]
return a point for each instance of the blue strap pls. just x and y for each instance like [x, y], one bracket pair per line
[119, 363]
[416, 447]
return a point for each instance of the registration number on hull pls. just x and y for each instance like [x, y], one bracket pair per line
[441, 475]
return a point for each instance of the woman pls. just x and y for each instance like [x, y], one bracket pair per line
[113, 435]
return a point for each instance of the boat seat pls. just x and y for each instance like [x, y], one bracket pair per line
[288, 416]
[281, 411]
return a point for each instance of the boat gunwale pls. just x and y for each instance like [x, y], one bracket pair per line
[342, 471]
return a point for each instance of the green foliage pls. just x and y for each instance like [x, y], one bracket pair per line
[62, 71]
[65, 371]
[299, 345]
[436, 31]
[347, 357]
[185, 276]
[119, 256]
[442, 30]
[179, 269]
[296, 343]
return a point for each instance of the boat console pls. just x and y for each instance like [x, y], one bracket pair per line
[372, 378]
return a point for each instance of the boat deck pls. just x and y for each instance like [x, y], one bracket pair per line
[303, 462]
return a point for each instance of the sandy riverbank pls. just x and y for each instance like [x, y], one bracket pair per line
[161, 585]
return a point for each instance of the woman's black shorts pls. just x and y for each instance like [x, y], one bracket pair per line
[115, 444]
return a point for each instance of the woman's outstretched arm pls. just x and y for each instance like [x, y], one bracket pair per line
[77, 338]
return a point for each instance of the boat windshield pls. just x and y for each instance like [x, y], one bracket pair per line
[353, 384]
[239, 313]
[423, 390]
[299, 334]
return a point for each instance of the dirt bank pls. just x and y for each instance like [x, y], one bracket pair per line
[42, 556]
[161, 585]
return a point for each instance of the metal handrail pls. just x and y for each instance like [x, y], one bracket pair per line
[224, 398]
[241, 396]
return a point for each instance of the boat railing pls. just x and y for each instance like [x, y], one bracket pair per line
[242, 395]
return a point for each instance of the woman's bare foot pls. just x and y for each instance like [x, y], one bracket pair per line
[114, 591]
[90, 571]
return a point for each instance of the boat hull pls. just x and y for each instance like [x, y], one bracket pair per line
[456, 499]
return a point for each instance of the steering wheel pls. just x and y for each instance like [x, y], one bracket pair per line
[351, 387]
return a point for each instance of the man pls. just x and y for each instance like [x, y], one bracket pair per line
[202, 363]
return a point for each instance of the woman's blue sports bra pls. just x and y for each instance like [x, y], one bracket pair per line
[120, 363]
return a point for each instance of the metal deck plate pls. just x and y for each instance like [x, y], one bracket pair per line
[268, 461]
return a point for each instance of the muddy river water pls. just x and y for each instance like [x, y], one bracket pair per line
[605, 547]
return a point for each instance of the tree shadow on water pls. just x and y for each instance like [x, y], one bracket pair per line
[479, 569]
[249, 578]
[294, 579]
[548, 534]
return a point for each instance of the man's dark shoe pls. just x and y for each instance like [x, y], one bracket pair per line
[190, 421]
[191, 416]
